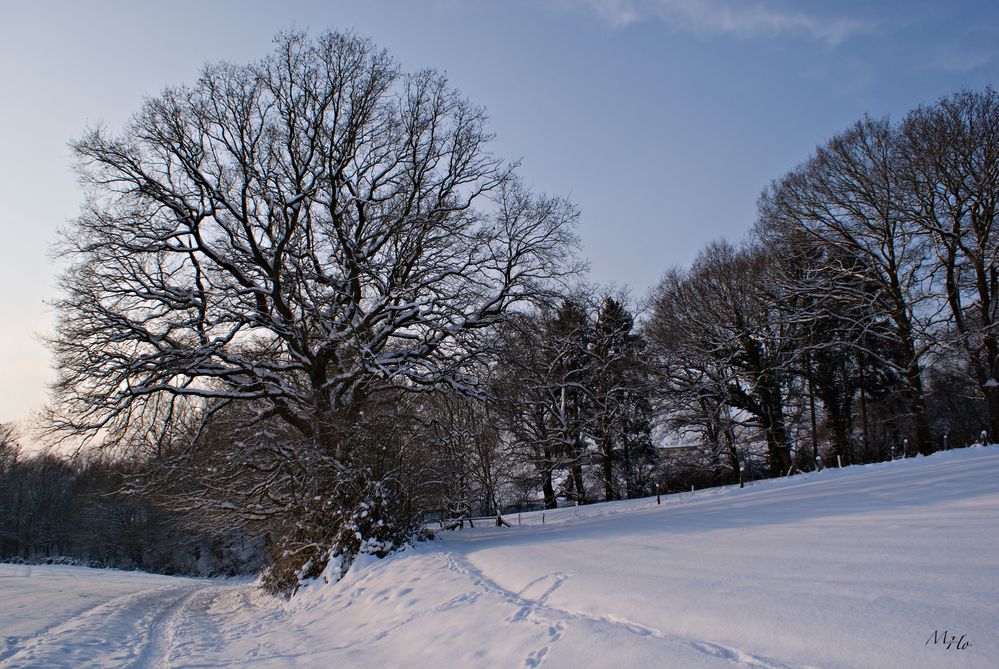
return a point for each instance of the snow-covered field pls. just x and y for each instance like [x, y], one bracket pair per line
[861, 567]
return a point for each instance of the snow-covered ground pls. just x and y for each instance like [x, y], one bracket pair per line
[861, 567]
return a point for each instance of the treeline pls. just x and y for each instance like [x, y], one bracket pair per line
[859, 320]
[857, 323]
[307, 302]
[79, 511]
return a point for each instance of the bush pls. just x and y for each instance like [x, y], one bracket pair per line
[366, 517]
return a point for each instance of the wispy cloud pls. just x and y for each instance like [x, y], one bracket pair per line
[750, 19]
[963, 60]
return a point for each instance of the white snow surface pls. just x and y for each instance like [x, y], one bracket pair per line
[857, 567]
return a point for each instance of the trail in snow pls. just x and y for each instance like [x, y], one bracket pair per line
[846, 568]
[117, 629]
[538, 610]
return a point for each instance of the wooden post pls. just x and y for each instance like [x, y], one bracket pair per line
[742, 475]
[658, 498]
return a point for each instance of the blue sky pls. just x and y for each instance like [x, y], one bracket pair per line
[662, 119]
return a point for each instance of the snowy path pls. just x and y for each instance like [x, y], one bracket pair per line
[93, 618]
[858, 567]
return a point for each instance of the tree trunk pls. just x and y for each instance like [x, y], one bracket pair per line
[547, 486]
[608, 466]
[778, 447]
[733, 456]
[922, 424]
[577, 481]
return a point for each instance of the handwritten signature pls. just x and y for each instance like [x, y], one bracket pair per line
[948, 640]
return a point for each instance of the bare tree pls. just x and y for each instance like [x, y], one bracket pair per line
[299, 236]
[849, 197]
[842, 337]
[950, 171]
[719, 342]
[10, 449]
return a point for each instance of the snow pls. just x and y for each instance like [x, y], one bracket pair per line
[858, 567]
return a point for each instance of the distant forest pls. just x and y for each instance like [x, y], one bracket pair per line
[309, 312]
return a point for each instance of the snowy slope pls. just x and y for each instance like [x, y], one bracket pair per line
[845, 568]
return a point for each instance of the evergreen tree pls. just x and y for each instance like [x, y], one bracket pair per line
[621, 417]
